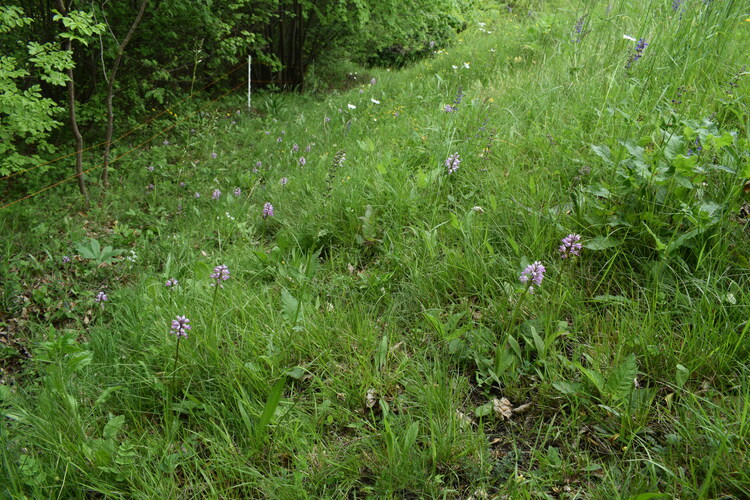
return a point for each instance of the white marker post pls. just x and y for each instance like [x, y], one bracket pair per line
[249, 81]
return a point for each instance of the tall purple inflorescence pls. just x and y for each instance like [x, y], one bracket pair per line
[452, 162]
[640, 46]
[571, 246]
[180, 326]
[267, 210]
[101, 297]
[216, 194]
[221, 273]
[171, 282]
[532, 275]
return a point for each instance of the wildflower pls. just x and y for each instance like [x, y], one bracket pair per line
[637, 52]
[229, 216]
[373, 81]
[432, 44]
[166, 142]
[237, 192]
[570, 246]
[534, 273]
[698, 148]
[295, 148]
[267, 210]
[578, 29]
[170, 283]
[180, 326]
[133, 257]
[214, 155]
[101, 297]
[268, 132]
[630, 38]
[150, 168]
[283, 181]
[221, 273]
[466, 65]
[459, 96]
[197, 195]
[308, 148]
[452, 162]
[360, 91]
[182, 184]
[302, 160]
[150, 187]
[449, 109]
[676, 5]
[375, 101]
[279, 139]
[454, 66]
[258, 164]
[216, 194]
[351, 106]
[326, 119]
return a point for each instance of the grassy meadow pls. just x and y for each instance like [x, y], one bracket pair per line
[370, 336]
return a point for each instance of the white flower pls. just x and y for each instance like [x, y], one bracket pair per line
[351, 106]
[454, 67]
[626, 37]
[466, 65]
[375, 101]
[483, 24]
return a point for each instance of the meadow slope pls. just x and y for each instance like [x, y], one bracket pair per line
[372, 334]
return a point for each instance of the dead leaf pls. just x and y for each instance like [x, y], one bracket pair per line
[522, 409]
[371, 398]
[502, 407]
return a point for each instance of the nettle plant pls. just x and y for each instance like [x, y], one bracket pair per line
[665, 194]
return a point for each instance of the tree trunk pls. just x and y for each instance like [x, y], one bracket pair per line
[73, 122]
[110, 91]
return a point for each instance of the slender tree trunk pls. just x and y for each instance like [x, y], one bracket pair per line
[300, 46]
[73, 122]
[110, 91]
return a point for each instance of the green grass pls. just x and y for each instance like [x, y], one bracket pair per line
[373, 325]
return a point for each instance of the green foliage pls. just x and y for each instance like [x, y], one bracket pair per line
[666, 193]
[91, 249]
[29, 116]
[373, 339]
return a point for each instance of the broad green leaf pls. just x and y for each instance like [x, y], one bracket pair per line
[435, 324]
[381, 354]
[594, 377]
[603, 152]
[411, 436]
[202, 270]
[682, 375]
[289, 306]
[105, 394]
[274, 396]
[620, 381]
[602, 243]
[567, 387]
[113, 427]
